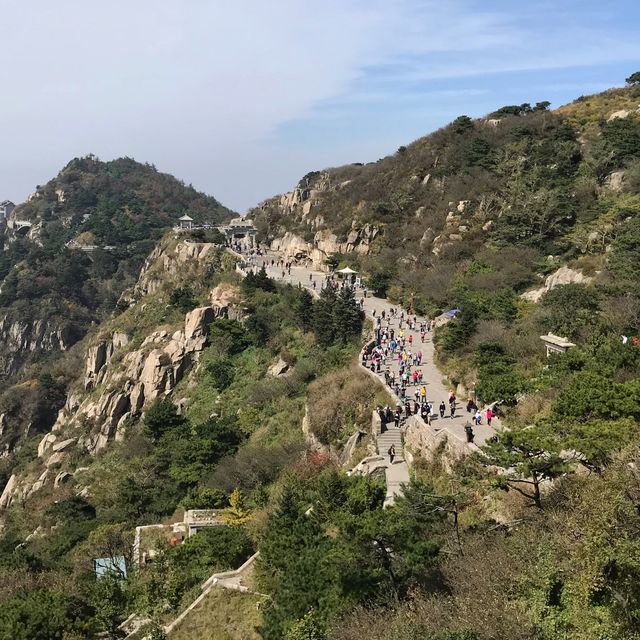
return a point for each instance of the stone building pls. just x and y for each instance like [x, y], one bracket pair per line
[186, 223]
[240, 234]
[6, 208]
[556, 344]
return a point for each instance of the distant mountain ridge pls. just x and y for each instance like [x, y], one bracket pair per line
[522, 177]
[51, 293]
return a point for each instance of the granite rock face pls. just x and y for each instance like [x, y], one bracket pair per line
[564, 275]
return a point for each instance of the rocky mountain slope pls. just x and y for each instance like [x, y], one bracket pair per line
[127, 363]
[76, 244]
[542, 182]
[192, 387]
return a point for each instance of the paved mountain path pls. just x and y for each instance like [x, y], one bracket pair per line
[433, 378]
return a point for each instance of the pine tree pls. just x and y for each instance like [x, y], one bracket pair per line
[323, 318]
[347, 318]
[292, 568]
[529, 456]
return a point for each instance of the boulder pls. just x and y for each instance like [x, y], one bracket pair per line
[96, 359]
[62, 478]
[55, 459]
[614, 181]
[157, 375]
[427, 237]
[280, 368]
[64, 445]
[622, 113]
[119, 339]
[46, 443]
[196, 324]
[136, 398]
[39, 483]
[224, 300]
[564, 275]
[9, 489]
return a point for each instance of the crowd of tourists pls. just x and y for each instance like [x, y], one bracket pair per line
[396, 356]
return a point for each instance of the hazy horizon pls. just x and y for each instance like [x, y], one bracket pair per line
[241, 101]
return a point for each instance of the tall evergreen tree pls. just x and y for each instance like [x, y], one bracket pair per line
[297, 578]
[323, 318]
[347, 317]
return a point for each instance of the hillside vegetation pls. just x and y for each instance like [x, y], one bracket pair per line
[52, 292]
[240, 394]
[528, 222]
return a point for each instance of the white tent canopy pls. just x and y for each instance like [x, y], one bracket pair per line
[347, 271]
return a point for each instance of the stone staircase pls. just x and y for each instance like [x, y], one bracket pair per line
[391, 436]
[397, 474]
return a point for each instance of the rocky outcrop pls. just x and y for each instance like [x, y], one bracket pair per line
[564, 275]
[325, 243]
[99, 356]
[144, 375]
[21, 339]
[614, 181]
[9, 490]
[196, 325]
[226, 302]
[279, 368]
[166, 261]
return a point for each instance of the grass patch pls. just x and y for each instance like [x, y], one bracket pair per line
[222, 615]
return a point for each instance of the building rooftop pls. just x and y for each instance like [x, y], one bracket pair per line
[557, 340]
[240, 222]
[186, 218]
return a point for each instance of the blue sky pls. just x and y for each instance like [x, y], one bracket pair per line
[241, 99]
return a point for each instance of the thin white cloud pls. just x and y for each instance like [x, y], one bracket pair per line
[201, 87]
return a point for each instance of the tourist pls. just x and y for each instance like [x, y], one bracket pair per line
[392, 453]
[381, 414]
[443, 408]
[468, 429]
[489, 415]
[452, 408]
[388, 414]
[478, 417]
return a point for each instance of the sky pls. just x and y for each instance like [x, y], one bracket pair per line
[243, 98]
